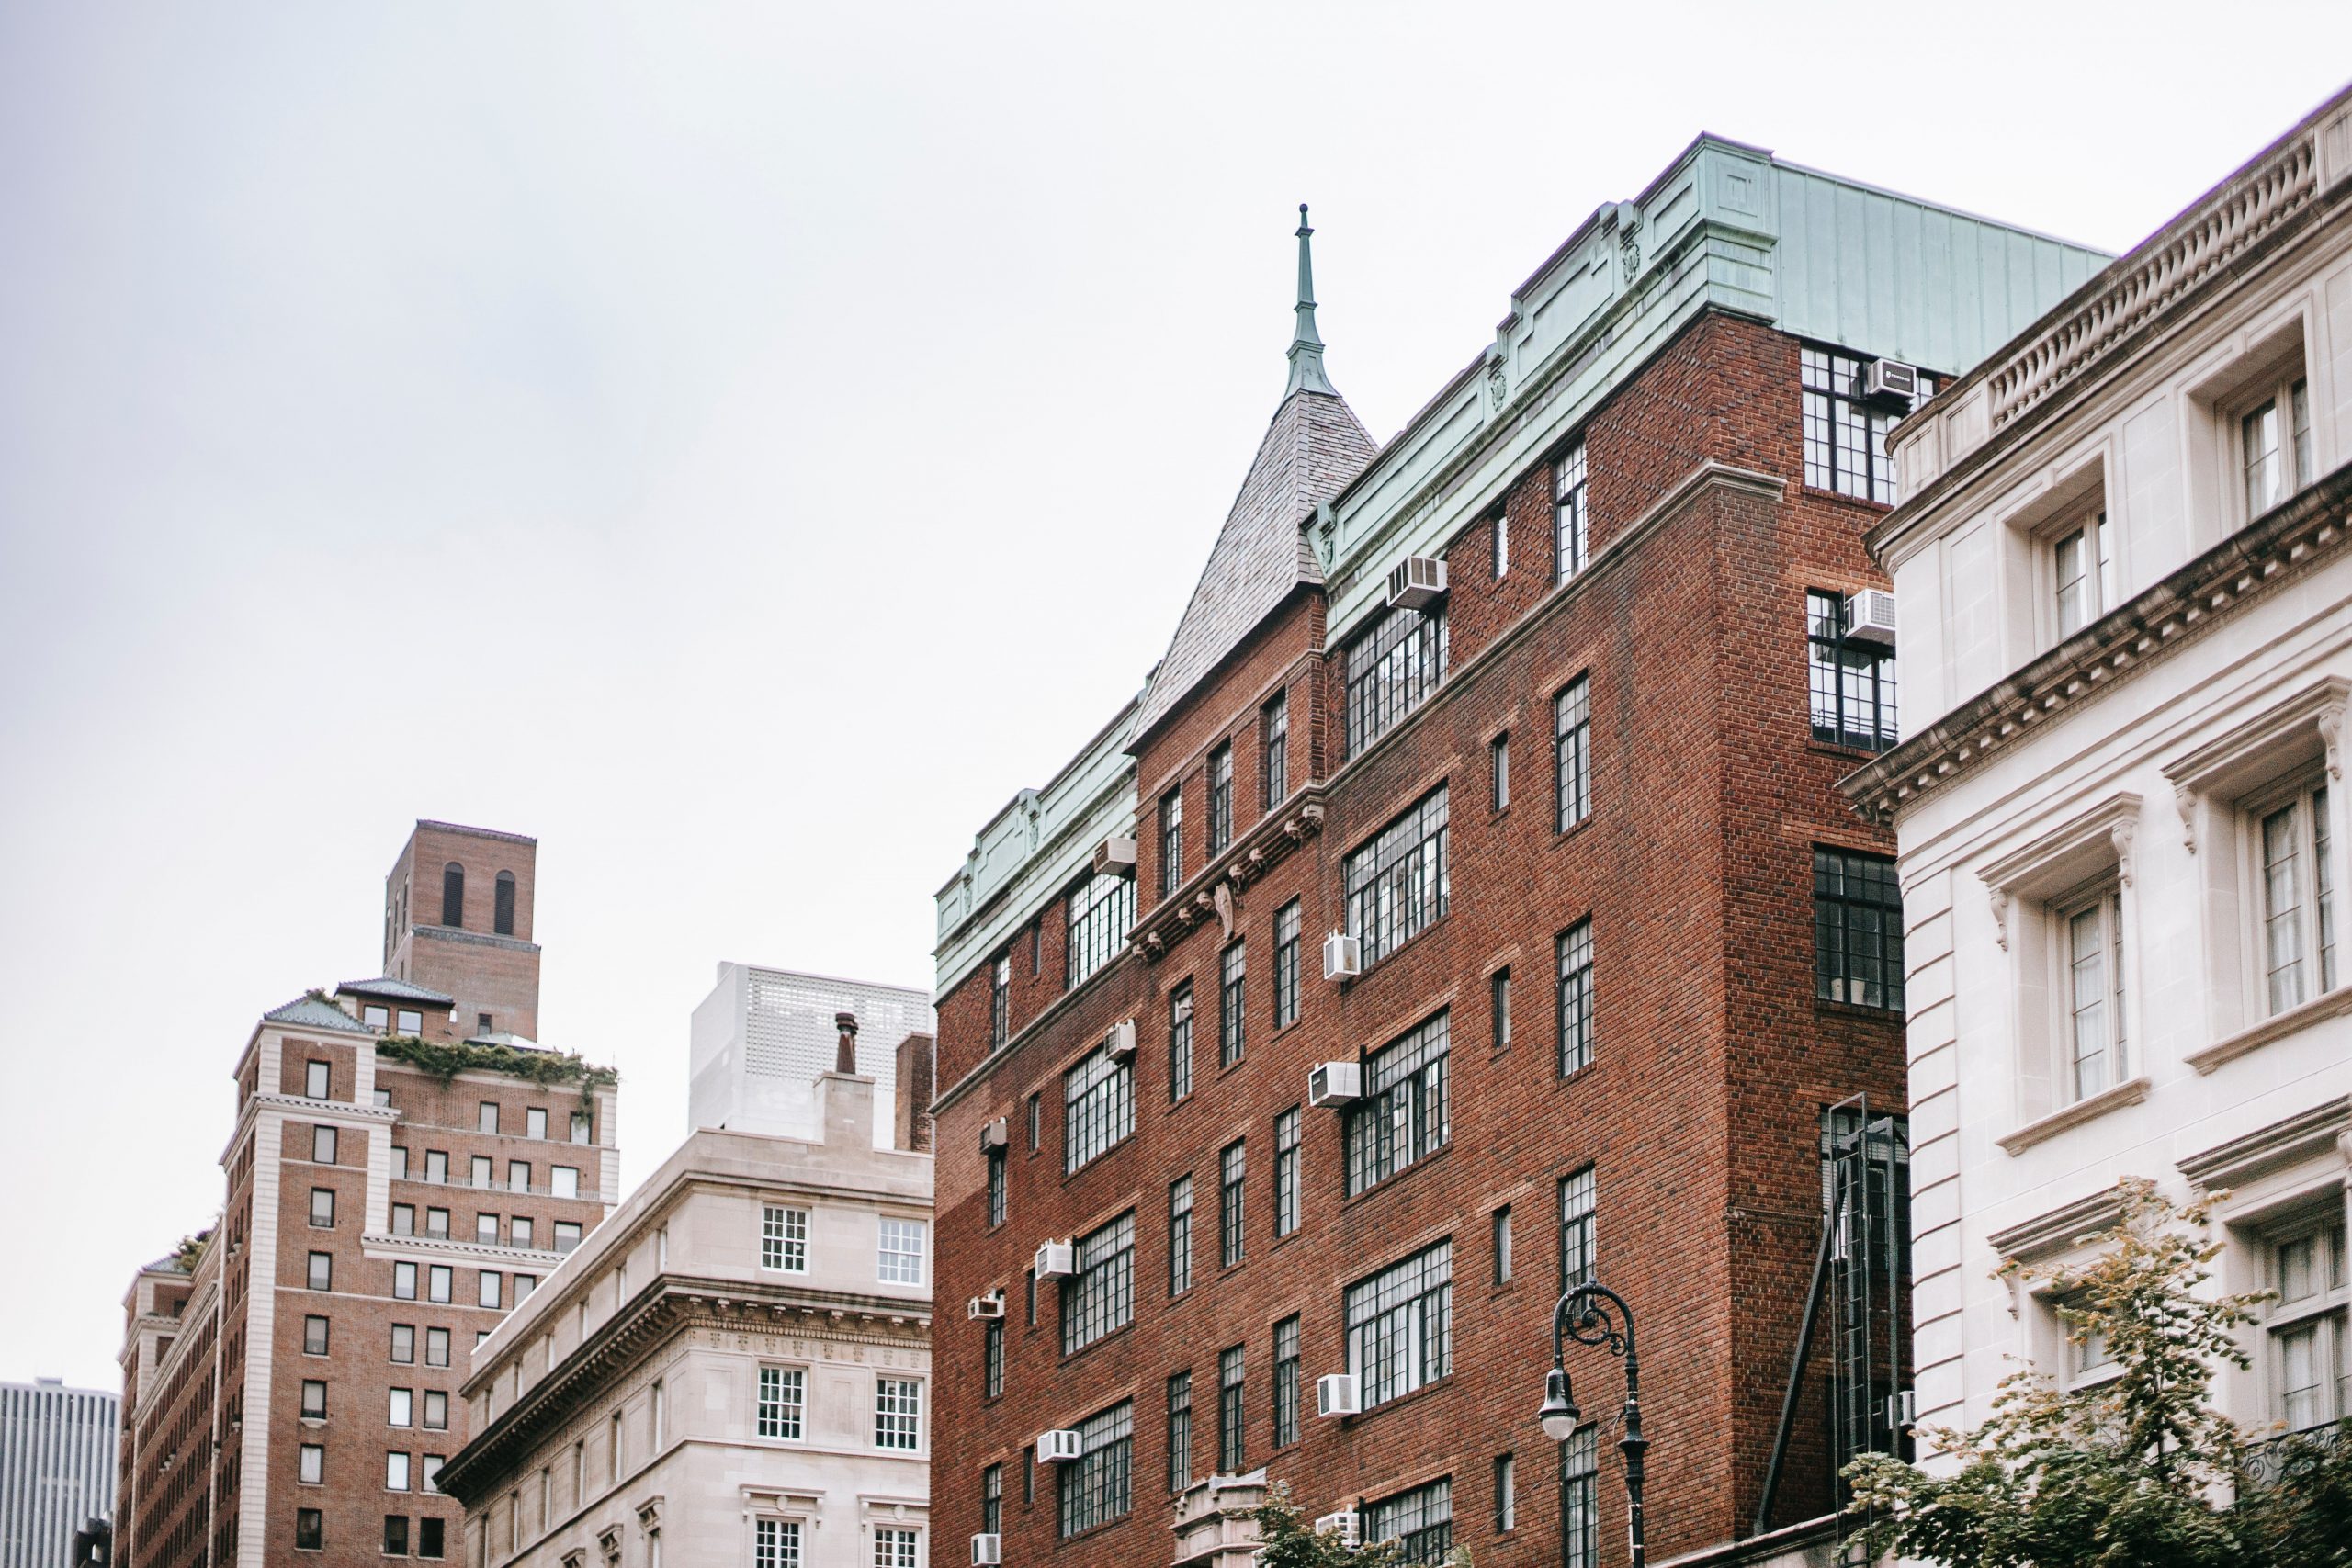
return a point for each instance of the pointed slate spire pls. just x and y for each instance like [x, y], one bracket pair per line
[1306, 348]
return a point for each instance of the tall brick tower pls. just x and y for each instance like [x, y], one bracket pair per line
[458, 908]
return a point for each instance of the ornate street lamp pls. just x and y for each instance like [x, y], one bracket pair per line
[1595, 1314]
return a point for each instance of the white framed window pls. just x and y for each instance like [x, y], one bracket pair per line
[897, 1414]
[900, 1260]
[2305, 1327]
[894, 1547]
[2296, 944]
[784, 1239]
[775, 1543]
[2082, 565]
[2274, 445]
[2090, 986]
[782, 1402]
[2088, 1360]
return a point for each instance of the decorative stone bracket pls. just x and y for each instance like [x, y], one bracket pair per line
[1216, 892]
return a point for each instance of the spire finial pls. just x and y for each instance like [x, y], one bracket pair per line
[1307, 345]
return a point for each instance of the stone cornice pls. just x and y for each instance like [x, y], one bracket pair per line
[375, 1243]
[2130, 1091]
[2294, 1020]
[2060, 1228]
[2299, 1137]
[2284, 543]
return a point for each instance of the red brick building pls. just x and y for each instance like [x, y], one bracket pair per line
[405, 1162]
[1539, 710]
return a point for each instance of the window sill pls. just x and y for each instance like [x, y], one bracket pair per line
[1840, 749]
[2131, 1091]
[1822, 1005]
[2277, 1027]
[1880, 507]
[1072, 1358]
[1385, 1406]
[1388, 1183]
[1562, 835]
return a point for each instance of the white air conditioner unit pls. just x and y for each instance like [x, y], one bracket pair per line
[1902, 1410]
[988, 1551]
[989, 1304]
[1892, 380]
[1416, 582]
[1344, 1522]
[1057, 1260]
[1869, 617]
[1057, 1447]
[1337, 1395]
[1115, 857]
[1334, 1083]
[994, 1136]
[1342, 957]
[1120, 1041]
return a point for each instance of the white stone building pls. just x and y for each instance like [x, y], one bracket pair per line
[761, 1037]
[2125, 603]
[734, 1369]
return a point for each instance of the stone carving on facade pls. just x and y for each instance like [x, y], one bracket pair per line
[2120, 835]
[2001, 901]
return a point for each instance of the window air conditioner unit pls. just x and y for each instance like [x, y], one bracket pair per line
[1057, 1260]
[988, 1551]
[1115, 857]
[1339, 1395]
[993, 1135]
[1890, 380]
[1342, 957]
[1344, 1521]
[990, 1304]
[1057, 1447]
[1902, 1410]
[1869, 617]
[1334, 1083]
[1120, 1041]
[1416, 582]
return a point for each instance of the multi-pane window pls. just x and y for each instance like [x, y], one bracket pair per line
[2311, 1370]
[1419, 1521]
[1286, 1381]
[993, 1500]
[1498, 1010]
[1574, 1008]
[1179, 1431]
[1400, 1325]
[1402, 1115]
[1220, 798]
[2082, 561]
[1578, 1196]
[996, 1187]
[899, 1257]
[2094, 993]
[1229, 1376]
[1572, 753]
[898, 1412]
[1845, 433]
[1102, 907]
[1287, 921]
[2277, 447]
[1098, 1106]
[1099, 1296]
[1171, 841]
[992, 1357]
[1180, 1235]
[775, 1543]
[1850, 682]
[1273, 750]
[894, 1547]
[1231, 1237]
[1099, 1486]
[783, 1397]
[1857, 930]
[1390, 669]
[1286, 1195]
[1396, 883]
[1179, 1041]
[1580, 1473]
[1001, 999]
[1233, 970]
[2297, 902]
[1571, 521]
[784, 1238]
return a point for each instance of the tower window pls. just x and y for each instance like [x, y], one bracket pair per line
[504, 916]
[453, 895]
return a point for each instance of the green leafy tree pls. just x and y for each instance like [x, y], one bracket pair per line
[2138, 1468]
[1292, 1543]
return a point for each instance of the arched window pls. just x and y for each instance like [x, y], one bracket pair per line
[453, 895]
[505, 917]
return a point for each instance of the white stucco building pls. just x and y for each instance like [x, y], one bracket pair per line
[2125, 601]
[734, 1369]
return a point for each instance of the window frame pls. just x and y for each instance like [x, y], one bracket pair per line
[1232, 1003]
[1576, 969]
[1232, 1409]
[1404, 1113]
[1571, 512]
[1399, 1325]
[1273, 750]
[1098, 1107]
[1099, 910]
[1838, 427]
[1287, 1203]
[1289, 923]
[780, 1400]
[1832, 662]
[2307, 794]
[1180, 1235]
[2326, 1313]
[1286, 1382]
[1232, 1203]
[884, 1253]
[1180, 1040]
[778, 1241]
[1842, 982]
[1389, 669]
[1099, 1487]
[2101, 902]
[1572, 754]
[1579, 1215]
[1171, 841]
[897, 1414]
[1397, 882]
[1220, 797]
[2287, 395]
[1098, 1298]
[1429, 1538]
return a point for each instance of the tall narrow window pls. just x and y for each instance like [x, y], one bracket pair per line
[1273, 750]
[992, 1358]
[2277, 449]
[1501, 1227]
[2084, 564]
[1171, 841]
[1233, 968]
[1229, 1410]
[2298, 901]
[1577, 1207]
[502, 904]
[1572, 752]
[1506, 1495]
[1580, 1477]
[323, 1146]
[1499, 771]
[2094, 993]
[1286, 930]
[1102, 907]
[1286, 1381]
[1403, 1116]
[1395, 664]
[1001, 999]
[1571, 527]
[1220, 798]
[993, 1500]
[1400, 1325]
[1577, 1033]
[1498, 1010]
[1100, 1486]
[1230, 1232]
[996, 1187]
[1099, 1298]
[1180, 1235]
[2306, 1325]
[1857, 930]
[453, 895]
[1396, 883]
[1851, 683]
[1179, 1431]
[1499, 545]
[1098, 1106]
[1036, 1123]
[1179, 1041]
[1287, 1172]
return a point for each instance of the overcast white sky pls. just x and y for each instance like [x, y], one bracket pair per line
[741, 445]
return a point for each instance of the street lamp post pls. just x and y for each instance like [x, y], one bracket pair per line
[1595, 1314]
